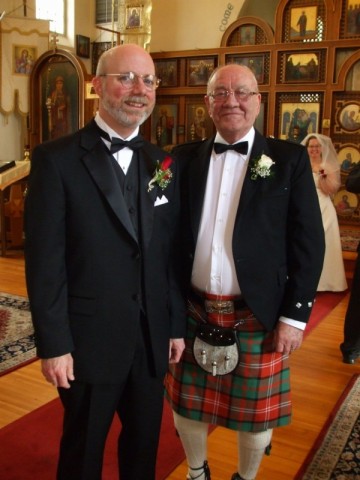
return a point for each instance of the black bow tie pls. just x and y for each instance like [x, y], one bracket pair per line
[241, 147]
[117, 143]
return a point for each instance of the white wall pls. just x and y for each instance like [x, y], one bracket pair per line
[11, 137]
[190, 24]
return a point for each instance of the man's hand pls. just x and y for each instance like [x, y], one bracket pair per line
[287, 338]
[177, 346]
[58, 370]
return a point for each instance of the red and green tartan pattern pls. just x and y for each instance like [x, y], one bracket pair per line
[253, 398]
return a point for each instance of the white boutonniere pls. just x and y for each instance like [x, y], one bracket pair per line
[162, 174]
[261, 167]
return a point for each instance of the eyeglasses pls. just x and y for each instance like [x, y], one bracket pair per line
[129, 79]
[241, 95]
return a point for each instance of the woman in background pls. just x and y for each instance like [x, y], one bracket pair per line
[326, 173]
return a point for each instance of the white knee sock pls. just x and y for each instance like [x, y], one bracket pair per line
[251, 451]
[193, 435]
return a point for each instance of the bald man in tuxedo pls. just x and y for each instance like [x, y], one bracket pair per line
[101, 223]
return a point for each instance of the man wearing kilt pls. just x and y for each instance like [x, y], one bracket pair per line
[253, 253]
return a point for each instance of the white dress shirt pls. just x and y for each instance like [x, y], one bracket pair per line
[214, 268]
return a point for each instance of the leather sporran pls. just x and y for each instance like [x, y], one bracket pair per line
[216, 349]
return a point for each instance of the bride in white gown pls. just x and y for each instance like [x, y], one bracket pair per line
[326, 173]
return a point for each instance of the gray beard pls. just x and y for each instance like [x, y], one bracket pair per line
[122, 117]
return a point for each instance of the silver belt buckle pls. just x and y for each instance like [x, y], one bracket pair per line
[219, 306]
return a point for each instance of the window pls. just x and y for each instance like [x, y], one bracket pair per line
[104, 11]
[53, 11]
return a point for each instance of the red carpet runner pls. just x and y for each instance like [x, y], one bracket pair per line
[29, 446]
[324, 304]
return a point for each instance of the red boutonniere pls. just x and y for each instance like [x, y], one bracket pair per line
[322, 173]
[162, 174]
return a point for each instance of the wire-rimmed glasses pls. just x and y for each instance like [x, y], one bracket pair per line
[129, 79]
[241, 94]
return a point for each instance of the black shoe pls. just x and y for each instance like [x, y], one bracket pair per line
[236, 476]
[204, 469]
[351, 357]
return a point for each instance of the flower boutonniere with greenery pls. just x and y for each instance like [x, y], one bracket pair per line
[162, 174]
[261, 167]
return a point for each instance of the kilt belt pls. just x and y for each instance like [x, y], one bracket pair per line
[223, 310]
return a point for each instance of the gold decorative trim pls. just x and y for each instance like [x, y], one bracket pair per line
[30, 32]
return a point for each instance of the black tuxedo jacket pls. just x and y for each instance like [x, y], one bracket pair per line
[278, 238]
[353, 184]
[88, 274]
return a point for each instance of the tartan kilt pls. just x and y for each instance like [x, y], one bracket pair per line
[253, 398]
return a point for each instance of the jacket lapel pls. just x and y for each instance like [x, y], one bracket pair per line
[250, 187]
[146, 199]
[99, 165]
[198, 173]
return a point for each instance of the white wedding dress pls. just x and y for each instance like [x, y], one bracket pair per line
[333, 273]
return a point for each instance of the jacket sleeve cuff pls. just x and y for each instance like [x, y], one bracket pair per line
[293, 323]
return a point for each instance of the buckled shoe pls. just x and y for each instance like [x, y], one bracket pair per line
[204, 469]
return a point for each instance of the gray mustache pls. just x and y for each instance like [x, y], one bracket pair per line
[143, 100]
